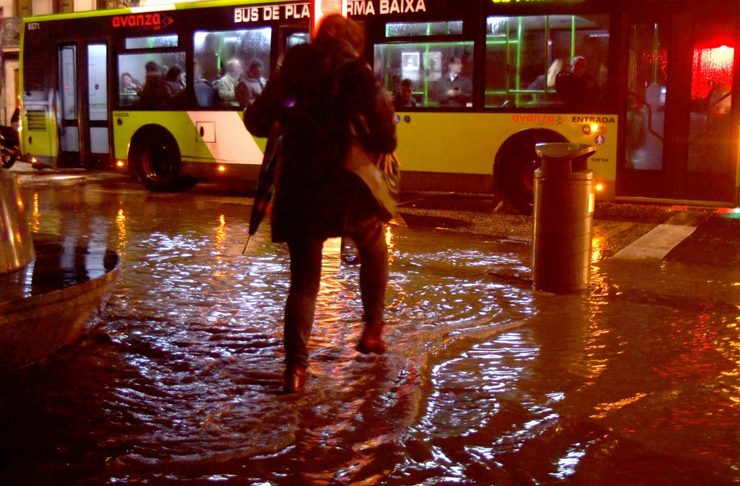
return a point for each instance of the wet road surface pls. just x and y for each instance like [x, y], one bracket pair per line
[486, 381]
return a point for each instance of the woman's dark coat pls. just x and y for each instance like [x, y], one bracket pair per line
[319, 89]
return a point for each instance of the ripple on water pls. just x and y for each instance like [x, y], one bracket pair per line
[181, 381]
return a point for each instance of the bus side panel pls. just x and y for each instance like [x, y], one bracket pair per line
[215, 137]
[467, 143]
[39, 134]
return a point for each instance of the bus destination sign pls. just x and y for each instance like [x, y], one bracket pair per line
[271, 13]
[384, 7]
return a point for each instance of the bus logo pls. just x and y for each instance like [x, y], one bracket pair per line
[153, 21]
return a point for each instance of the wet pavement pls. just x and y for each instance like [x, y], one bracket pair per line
[486, 381]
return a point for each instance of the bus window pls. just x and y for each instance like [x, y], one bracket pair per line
[546, 61]
[231, 67]
[295, 39]
[152, 42]
[151, 80]
[440, 73]
[409, 29]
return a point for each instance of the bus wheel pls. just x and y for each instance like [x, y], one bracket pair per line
[156, 159]
[514, 166]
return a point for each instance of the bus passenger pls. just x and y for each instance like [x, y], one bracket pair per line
[150, 96]
[250, 84]
[173, 86]
[208, 58]
[129, 89]
[204, 93]
[546, 81]
[453, 89]
[575, 87]
[130, 85]
[226, 85]
[403, 98]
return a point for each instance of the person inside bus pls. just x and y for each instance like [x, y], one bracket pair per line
[129, 89]
[250, 84]
[404, 98]
[576, 88]
[151, 93]
[207, 58]
[204, 92]
[546, 81]
[453, 89]
[173, 86]
[130, 85]
[226, 85]
[317, 93]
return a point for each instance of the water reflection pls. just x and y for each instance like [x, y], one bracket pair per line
[487, 381]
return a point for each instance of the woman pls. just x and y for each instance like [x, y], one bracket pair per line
[321, 88]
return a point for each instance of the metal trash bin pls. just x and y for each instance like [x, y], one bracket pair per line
[563, 218]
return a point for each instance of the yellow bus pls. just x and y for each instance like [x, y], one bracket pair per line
[479, 83]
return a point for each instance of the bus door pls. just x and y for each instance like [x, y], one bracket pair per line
[68, 114]
[678, 141]
[97, 139]
[83, 111]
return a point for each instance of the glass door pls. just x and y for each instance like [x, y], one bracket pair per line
[679, 121]
[69, 144]
[98, 140]
[643, 171]
[710, 167]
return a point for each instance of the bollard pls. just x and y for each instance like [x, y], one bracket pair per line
[563, 217]
[16, 245]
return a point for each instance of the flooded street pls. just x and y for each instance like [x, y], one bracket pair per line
[486, 381]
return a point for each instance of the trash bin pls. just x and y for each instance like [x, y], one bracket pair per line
[563, 218]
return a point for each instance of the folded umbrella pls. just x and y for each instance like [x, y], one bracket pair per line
[265, 184]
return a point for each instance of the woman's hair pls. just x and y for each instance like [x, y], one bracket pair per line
[335, 26]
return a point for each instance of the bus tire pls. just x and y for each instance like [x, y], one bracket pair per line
[155, 157]
[514, 166]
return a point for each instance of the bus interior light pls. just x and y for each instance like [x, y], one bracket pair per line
[221, 168]
[599, 187]
[120, 164]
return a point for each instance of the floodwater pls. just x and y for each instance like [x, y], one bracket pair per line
[486, 381]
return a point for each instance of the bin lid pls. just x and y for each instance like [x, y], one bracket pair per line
[564, 150]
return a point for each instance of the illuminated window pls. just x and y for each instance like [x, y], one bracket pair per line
[142, 79]
[151, 42]
[222, 58]
[427, 66]
[525, 55]
[410, 29]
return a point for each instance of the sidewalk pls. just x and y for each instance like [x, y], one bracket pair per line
[679, 232]
[27, 175]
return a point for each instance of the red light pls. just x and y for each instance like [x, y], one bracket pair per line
[712, 69]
